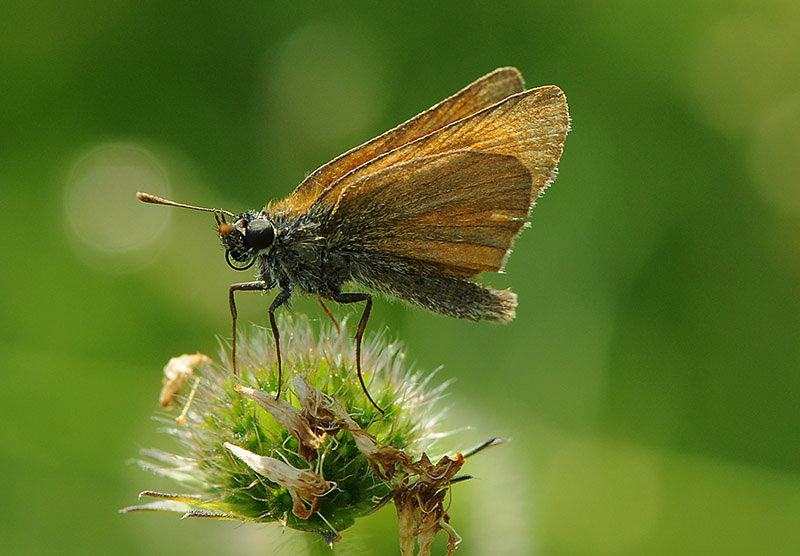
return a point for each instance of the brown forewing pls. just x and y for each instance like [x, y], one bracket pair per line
[484, 92]
[530, 126]
[460, 210]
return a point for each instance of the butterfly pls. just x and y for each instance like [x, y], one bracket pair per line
[415, 213]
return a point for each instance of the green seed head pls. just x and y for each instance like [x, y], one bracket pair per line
[318, 458]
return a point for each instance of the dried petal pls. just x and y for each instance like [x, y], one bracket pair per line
[420, 505]
[317, 406]
[176, 372]
[311, 399]
[302, 484]
[382, 459]
[289, 417]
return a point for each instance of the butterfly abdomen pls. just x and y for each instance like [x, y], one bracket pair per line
[432, 288]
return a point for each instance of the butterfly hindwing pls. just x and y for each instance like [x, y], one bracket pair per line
[459, 210]
[458, 196]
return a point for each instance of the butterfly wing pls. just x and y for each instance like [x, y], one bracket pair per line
[486, 91]
[459, 209]
[458, 196]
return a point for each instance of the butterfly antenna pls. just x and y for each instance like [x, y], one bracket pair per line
[155, 200]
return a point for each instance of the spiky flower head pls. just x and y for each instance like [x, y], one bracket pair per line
[315, 460]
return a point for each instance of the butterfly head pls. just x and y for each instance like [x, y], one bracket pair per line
[248, 234]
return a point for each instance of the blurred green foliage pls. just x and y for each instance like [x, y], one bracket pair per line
[650, 381]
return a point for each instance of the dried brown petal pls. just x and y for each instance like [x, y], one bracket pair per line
[382, 459]
[302, 484]
[318, 407]
[289, 417]
[176, 372]
[312, 400]
[420, 505]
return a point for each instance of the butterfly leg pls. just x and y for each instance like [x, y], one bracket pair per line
[279, 300]
[330, 315]
[243, 287]
[362, 325]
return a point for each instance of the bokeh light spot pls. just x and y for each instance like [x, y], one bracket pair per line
[774, 154]
[325, 85]
[742, 65]
[102, 211]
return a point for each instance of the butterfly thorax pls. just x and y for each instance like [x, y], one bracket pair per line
[302, 257]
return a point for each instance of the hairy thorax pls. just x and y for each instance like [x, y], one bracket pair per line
[303, 257]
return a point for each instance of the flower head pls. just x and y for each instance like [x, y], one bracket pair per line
[315, 460]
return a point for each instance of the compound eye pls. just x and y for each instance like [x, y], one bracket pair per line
[237, 264]
[260, 234]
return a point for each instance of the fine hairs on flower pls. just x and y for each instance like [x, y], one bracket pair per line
[316, 459]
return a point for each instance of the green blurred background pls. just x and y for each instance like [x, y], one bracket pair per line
[650, 381]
